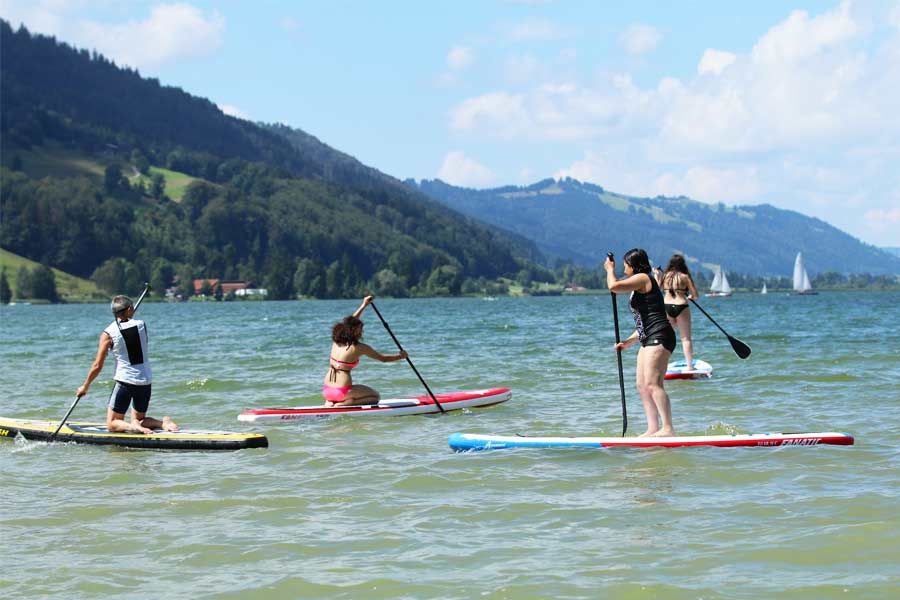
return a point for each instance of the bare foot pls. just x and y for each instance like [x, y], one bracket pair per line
[169, 425]
[648, 433]
[664, 432]
[138, 428]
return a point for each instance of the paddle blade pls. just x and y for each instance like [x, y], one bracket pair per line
[740, 348]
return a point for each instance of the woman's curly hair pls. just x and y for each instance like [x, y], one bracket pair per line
[347, 331]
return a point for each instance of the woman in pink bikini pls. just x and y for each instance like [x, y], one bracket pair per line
[346, 349]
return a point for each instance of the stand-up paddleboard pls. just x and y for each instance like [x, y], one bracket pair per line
[679, 370]
[394, 407]
[462, 442]
[97, 433]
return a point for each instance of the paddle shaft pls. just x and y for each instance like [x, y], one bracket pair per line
[77, 398]
[739, 347]
[415, 370]
[619, 359]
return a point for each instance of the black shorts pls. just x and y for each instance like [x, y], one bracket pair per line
[665, 338]
[125, 394]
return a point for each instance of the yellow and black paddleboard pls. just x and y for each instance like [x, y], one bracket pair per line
[97, 433]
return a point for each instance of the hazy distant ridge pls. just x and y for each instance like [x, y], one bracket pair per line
[581, 222]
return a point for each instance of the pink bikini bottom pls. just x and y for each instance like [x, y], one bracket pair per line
[335, 394]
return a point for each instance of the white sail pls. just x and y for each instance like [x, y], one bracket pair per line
[801, 278]
[764, 290]
[716, 285]
[726, 288]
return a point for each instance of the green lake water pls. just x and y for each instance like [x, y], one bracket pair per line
[381, 508]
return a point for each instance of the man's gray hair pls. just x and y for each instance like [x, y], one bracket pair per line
[120, 304]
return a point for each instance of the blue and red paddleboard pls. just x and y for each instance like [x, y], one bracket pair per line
[394, 407]
[462, 442]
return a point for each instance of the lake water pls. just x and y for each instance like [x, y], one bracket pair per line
[353, 508]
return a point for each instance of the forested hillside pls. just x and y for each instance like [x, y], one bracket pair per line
[86, 151]
[581, 222]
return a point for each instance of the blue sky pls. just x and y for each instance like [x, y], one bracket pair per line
[790, 103]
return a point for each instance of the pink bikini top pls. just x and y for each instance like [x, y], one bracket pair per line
[340, 365]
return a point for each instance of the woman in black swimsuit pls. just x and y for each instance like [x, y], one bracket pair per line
[678, 286]
[652, 329]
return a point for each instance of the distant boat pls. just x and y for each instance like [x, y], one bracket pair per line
[720, 285]
[764, 290]
[802, 286]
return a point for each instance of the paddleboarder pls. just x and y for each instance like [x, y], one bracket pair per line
[678, 286]
[346, 349]
[127, 339]
[654, 332]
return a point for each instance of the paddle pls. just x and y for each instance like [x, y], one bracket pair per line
[77, 398]
[619, 358]
[394, 337]
[740, 348]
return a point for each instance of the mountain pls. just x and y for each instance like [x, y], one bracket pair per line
[892, 250]
[89, 150]
[581, 222]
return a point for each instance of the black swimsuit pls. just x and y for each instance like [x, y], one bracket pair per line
[673, 310]
[650, 318]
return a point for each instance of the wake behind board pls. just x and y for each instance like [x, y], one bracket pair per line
[415, 405]
[678, 370]
[97, 433]
[462, 442]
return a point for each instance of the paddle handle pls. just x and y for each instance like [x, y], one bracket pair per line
[615, 309]
[415, 370]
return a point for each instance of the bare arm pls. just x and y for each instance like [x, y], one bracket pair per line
[372, 353]
[103, 347]
[366, 301]
[639, 282]
[692, 288]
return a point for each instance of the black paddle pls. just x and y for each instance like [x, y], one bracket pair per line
[77, 398]
[619, 357]
[740, 348]
[394, 337]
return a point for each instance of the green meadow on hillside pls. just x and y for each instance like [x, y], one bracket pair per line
[70, 288]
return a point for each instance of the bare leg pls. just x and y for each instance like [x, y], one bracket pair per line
[650, 409]
[359, 395]
[116, 422]
[142, 420]
[655, 360]
[684, 331]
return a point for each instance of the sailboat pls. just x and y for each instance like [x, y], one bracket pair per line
[720, 285]
[802, 286]
[764, 290]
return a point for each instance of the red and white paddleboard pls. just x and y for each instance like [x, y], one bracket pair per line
[414, 405]
[678, 370]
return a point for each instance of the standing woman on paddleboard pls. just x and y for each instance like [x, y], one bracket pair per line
[652, 329]
[346, 350]
[678, 286]
[126, 337]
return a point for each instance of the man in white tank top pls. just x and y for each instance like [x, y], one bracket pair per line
[128, 341]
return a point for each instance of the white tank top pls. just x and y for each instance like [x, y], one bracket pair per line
[130, 348]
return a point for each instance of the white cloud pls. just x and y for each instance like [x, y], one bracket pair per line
[460, 57]
[458, 169]
[729, 185]
[171, 32]
[715, 61]
[290, 24]
[799, 36]
[640, 39]
[535, 30]
[234, 111]
[880, 221]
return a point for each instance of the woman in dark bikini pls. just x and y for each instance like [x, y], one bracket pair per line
[346, 350]
[678, 286]
[656, 336]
